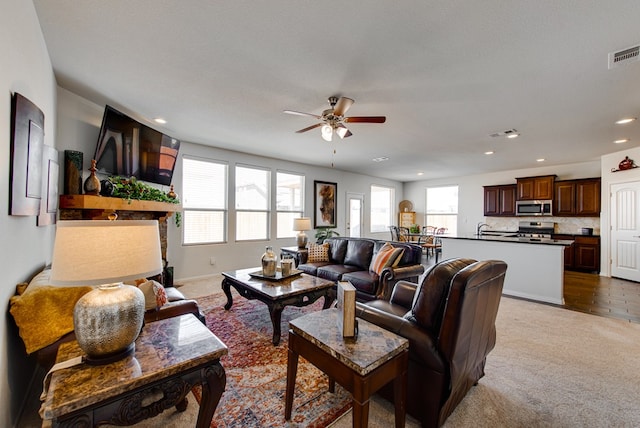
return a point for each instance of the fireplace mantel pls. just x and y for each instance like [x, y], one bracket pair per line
[101, 206]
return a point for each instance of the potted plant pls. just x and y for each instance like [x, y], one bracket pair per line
[324, 233]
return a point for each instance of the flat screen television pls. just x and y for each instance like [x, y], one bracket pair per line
[128, 148]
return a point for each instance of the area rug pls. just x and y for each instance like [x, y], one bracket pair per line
[256, 370]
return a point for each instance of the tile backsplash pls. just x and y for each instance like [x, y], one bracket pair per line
[568, 225]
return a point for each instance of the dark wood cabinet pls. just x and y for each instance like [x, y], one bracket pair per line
[500, 200]
[587, 253]
[583, 254]
[588, 197]
[580, 198]
[535, 188]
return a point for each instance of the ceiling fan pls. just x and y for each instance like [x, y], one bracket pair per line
[332, 119]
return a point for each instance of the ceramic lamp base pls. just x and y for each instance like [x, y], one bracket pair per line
[107, 321]
[301, 240]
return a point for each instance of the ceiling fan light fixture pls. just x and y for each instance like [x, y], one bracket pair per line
[327, 132]
[342, 131]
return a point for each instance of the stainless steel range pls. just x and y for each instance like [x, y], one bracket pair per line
[535, 230]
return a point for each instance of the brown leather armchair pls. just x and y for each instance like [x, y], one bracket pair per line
[449, 320]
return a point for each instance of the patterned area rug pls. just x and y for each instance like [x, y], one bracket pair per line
[257, 371]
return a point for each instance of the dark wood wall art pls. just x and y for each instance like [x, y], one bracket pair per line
[27, 141]
[51, 171]
[325, 203]
[73, 172]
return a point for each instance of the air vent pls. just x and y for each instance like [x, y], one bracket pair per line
[623, 57]
[504, 133]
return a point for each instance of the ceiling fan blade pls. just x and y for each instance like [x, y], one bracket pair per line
[342, 106]
[299, 113]
[309, 128]
[342, 131]
[365, 119]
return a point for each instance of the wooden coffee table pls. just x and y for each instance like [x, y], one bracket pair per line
[299, 290]
[362, 365]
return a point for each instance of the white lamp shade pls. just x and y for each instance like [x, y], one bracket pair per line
[302, 223]
[95, 252]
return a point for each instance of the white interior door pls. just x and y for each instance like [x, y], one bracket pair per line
[625, 231]
[355, 215]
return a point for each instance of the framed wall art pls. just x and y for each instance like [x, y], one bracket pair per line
[27, 141]
[324, 204]
[51, 171]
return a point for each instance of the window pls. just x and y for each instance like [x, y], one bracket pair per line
[289, 202]
[381, 212]
[252, 203]
[442, 208]
[204, 201]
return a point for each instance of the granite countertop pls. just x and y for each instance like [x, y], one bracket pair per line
[511, 237]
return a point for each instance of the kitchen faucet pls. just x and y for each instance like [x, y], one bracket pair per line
[479, 228]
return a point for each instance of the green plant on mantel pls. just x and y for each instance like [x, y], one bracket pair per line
[132, 189]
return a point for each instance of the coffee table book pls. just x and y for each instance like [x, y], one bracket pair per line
[347, 308]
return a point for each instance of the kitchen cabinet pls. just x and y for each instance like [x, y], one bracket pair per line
[407, 219]
[580, 198]
[583, 254]
[587, 253]
[535, 188]
[500, 200]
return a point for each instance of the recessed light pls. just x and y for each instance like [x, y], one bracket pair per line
[623, 140]
[513, 135]
[488, 153]
[625, 120]
[380, 159]
[159, 120]
[540, 160]
[421, 173]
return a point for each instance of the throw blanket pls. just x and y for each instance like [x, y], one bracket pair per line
[44, 314]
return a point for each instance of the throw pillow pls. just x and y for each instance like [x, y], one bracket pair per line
[318, 253]
[154, 294]
[386, 257]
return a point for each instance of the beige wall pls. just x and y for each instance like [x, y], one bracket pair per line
[78, 126]
[25, 249]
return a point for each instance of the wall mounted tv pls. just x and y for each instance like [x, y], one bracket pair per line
[128, 148]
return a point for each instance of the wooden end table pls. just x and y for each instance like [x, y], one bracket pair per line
[299, 290]
[362, 366]
[171, 357]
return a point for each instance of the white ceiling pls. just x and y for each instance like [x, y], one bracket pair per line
[446, 74]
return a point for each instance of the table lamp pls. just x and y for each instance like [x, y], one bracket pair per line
[300, 225]
[108, 319]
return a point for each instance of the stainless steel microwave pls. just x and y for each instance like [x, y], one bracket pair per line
[533, 208]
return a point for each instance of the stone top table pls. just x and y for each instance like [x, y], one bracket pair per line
[362, 365]
[171, 357]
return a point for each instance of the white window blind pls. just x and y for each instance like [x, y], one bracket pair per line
[204, 201]
[252, 203]
[289, 202]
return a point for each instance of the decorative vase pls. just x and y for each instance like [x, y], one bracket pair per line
[269, 260]
[92, 184]
[72, 172]
[107, 321]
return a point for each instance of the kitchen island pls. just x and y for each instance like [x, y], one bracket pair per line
[535, 267]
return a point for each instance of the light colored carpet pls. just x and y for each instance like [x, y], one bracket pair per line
[551, 367]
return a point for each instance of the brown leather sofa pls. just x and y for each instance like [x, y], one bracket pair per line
[350, 259]
[449, 320]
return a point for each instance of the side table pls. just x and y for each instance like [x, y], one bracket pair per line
[171, 357]
[362, 366]
[299, 254]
